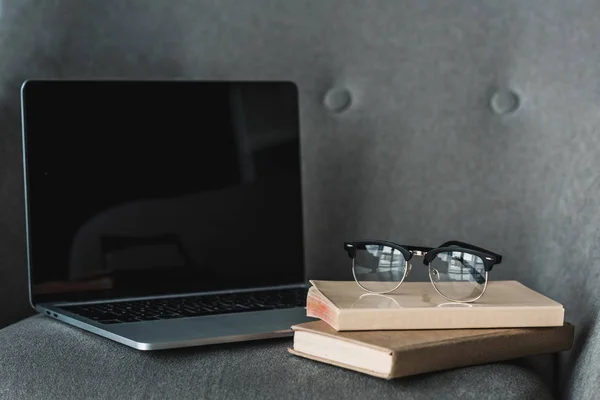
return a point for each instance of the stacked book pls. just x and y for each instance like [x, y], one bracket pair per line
[414, 330]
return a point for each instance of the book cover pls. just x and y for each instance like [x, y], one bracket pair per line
[393, 354]
[416, 305]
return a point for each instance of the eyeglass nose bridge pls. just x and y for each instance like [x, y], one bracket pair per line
[420, 253]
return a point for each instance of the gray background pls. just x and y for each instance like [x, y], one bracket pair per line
[419, 156]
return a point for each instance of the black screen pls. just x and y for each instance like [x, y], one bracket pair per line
[139, 188]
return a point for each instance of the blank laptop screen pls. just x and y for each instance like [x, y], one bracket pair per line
[156, 188]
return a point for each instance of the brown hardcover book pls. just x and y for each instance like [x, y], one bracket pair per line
[416, 305]
[393, 354]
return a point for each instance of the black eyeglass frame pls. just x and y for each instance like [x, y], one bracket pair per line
[488, 257]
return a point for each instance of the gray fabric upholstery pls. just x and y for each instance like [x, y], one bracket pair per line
[43, 359]
[422, 150]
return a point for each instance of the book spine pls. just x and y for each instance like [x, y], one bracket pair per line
[449, 318]
[484, 349]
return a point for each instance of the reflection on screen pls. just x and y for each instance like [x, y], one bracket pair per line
[143, 188]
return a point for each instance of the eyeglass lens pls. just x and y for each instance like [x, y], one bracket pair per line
[379, 268]
[458, 275]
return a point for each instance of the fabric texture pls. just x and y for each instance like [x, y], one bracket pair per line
[422, 121]
[44, 359]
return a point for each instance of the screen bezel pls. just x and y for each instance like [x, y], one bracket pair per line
[91, 296]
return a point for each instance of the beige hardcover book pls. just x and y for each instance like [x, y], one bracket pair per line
[392, 354]
[416, 305]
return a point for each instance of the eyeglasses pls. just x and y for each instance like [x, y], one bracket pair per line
[457, 270]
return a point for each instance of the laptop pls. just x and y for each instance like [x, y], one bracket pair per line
[165, 214]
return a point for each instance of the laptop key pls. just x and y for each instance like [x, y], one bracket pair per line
[129, 318]
[109, 321]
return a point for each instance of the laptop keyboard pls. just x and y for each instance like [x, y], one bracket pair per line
[195, 306]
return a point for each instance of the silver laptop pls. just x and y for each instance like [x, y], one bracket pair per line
[165, 214]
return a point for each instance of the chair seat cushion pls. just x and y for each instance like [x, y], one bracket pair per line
[43, 358]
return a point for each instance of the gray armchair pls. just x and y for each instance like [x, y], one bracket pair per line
[422, 121]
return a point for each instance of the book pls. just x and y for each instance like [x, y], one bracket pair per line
[393, 354]
[416, 305]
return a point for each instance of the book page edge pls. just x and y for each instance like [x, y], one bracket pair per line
[339, 364]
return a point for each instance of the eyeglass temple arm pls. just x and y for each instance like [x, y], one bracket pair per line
[350, 249]
[498, 257]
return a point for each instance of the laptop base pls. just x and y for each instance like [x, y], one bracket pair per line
[189, 332]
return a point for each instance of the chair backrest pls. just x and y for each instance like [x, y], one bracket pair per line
[422, 121]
